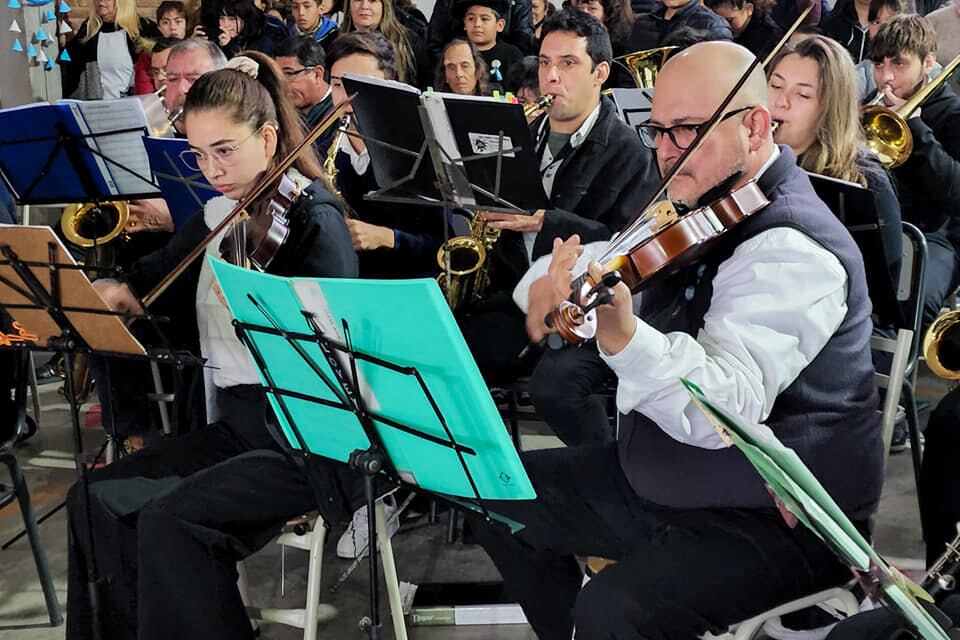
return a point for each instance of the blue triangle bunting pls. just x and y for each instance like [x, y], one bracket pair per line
[64, 7]
[17, 46]
[50, 16]
[31, 52]
[13, 4]
[42, 35]
[64, 56]
[49, 65]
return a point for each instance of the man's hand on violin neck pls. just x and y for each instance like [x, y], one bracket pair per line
[616, 323]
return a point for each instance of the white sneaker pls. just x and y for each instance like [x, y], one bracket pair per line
[354, 539]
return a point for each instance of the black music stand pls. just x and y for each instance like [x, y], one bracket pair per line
[447, 150]
[856, 208]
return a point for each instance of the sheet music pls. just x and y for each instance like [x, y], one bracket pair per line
[312, 299]
[124, 149]
[443, 132]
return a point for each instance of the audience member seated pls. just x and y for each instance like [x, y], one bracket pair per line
[412, 59]
[483, 21]
[303, 62]
[617, 16]
[751, 24]
[524, 82]
[307, 19]
[540, 9]
[103, 51]
[517, 30]
[236, 25]
[651, 29]
[462, 70]
[946, 22]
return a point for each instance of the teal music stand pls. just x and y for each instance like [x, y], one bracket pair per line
[802, 499]
[376, 374]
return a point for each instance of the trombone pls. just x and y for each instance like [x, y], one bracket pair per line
[886, 130]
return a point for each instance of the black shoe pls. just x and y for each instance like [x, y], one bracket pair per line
[899, 442]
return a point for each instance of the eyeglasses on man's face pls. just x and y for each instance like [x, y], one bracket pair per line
[681, 135]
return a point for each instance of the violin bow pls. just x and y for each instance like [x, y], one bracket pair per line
[708, 128]
[265, 182]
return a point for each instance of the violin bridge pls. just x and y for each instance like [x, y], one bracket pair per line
[663, 214]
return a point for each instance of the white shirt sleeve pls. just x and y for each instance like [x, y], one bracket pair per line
[776, 302]
[537, 270]
[359, 161]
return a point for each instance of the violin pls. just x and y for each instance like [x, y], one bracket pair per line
[658, 241]
[253, 242]
[661, 245]
[271, 178]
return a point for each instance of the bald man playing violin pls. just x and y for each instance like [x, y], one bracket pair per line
[773, 323]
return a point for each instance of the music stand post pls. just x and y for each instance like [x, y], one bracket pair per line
[346, 387]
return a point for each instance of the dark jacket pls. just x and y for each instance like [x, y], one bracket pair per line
[929, 181]
[785, 12]
[418, 230]
[318, 246]
[761, 35]
[518, 31]
[598, 187]
[827, 415]
[843, 25]
[650, 29]
[80, 76]
[314, 117]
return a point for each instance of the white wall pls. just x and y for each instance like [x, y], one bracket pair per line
[22, 81]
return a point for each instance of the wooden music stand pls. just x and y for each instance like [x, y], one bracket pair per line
[55, 308]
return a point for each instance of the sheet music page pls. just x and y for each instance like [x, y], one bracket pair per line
[125, 149]
[443, 132]
[101, 164]
[312, 300]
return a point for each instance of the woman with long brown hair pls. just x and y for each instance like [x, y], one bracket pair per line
[815, 99]
[238, 128]
[413, 63]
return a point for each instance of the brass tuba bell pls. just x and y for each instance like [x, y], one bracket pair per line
[644, 65]
[94, 224]
[941, 346]
[886, 130]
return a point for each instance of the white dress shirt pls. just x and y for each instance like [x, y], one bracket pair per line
[776, 302]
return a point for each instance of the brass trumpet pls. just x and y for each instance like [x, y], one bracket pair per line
[158, 115]
[94, 224]
[941, 346]
[644, 65]
[886, 130]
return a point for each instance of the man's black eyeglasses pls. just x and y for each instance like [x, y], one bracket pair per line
[295, 72]
[681, 135]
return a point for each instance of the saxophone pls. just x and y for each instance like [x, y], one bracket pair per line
[463, 259]
[464, 274]
[941, 580]
[330, 170]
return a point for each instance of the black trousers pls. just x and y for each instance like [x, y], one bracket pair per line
[939, 489]
[679, 573]
[564, 388]
[886, 624]
[170, 522]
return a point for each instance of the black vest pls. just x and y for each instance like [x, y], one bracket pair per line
[828, 415]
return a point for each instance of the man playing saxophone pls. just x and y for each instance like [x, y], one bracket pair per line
[391, 240]
[594, 170]
[904, 53]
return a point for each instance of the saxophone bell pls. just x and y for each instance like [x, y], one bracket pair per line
[464, 274]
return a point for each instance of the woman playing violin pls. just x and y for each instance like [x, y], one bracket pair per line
[238, 126]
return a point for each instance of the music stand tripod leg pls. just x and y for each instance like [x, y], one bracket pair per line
[370, 462]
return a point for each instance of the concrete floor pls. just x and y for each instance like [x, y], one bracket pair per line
[421, 551]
